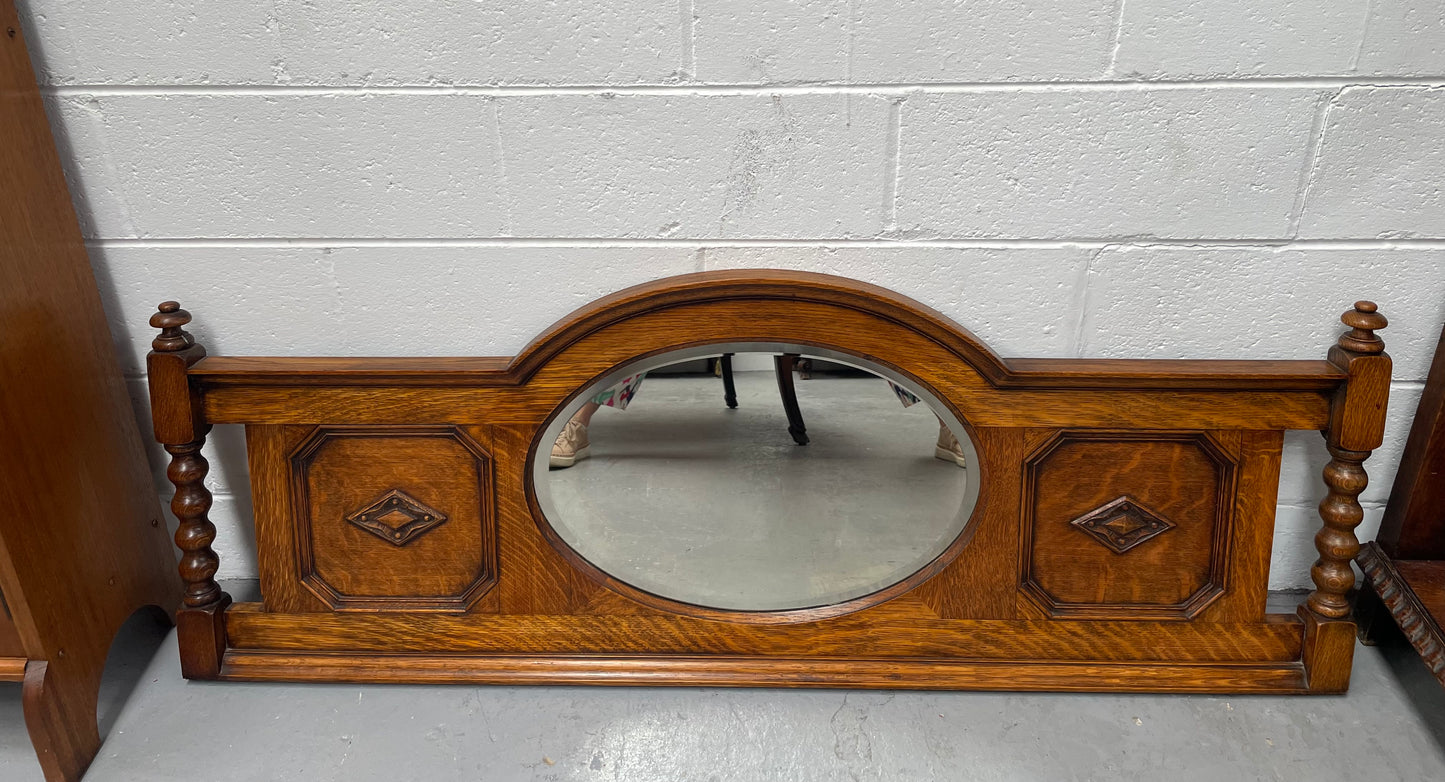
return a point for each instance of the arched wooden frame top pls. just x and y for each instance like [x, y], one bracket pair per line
[704, 288]
[1209, 433]
[697, 313]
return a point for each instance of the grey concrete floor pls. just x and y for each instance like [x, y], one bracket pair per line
[1391, 726]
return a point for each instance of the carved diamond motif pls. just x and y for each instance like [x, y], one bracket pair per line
[397, 517]
[1123, 524]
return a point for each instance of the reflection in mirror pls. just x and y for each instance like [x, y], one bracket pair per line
[655, 480]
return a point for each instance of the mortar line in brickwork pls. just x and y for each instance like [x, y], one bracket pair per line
[1364, 34]
[869, 88]
[1117, 42]
[1313, 157]
[1083, 302]
[1090, 242]
[892, 167]
[687, 22]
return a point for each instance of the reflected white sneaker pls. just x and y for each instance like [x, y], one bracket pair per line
[571, 446]
[948, 448]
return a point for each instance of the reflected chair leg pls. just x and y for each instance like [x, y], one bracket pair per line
[730, 392]
[784, 365]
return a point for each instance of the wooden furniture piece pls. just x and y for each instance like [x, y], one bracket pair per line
[1120, 539]
[82, 546]
[783, 365]
[730, 390]
[1405, 564]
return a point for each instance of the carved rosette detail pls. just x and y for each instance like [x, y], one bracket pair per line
[397, 518]
[1123, 524]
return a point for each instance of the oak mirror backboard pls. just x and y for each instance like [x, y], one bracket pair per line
[651, 493]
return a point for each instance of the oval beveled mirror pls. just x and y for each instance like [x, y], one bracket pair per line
[756, 477]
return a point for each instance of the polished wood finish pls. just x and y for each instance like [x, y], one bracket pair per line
[1405, 565]
[181, 428]
[745, 671]
[1413, 526]
[191, 503]
[12, 669]
[1418, 615]
[1024, 598]
[436, 486]
[1177, 571]
[82, 545]
[1345, 476]
[249, 626]
[1356, 427]
[1023, 373]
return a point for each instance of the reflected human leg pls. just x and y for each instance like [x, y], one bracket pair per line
[572, 445]
[947, 448]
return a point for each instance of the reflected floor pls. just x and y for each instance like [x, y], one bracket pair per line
[688, 499]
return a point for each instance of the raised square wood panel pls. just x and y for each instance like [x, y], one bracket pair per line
[1128, 524]
[393, 517]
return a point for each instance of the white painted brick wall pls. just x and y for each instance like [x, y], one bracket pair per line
[1030, 163]
[1094, 178]
[901, 41]
[1243, 38]
[1379, 165]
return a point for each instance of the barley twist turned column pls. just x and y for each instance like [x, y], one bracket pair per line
[191, 504]
[1356, 424]
[181, 428]
[1340, 509]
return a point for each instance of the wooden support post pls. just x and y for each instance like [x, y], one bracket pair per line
[1357, 423]
[181, 428]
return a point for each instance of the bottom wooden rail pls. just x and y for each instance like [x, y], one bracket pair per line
[1271, 656]
[12, 669]
[765, 671]
[1278, 639]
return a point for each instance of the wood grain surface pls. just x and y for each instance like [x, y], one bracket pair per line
[859, 673]
[1413, 526]
[82, 541]
[1022, 599]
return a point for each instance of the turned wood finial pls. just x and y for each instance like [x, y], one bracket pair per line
[1357, 423]
[1364, 320]
[170, 319]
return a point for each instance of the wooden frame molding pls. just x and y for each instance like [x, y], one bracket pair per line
[1399, 598]
[1405, 564]
[1025, 598]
